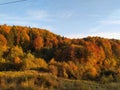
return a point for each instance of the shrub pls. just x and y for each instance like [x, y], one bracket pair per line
[16, 51]
[106, 79]
[53, 69]
[35, 63]
[44, 81]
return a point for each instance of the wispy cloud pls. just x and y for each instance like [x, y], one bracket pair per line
[95, 15]
[29, 18]
[66, 14]
[110, 22]
[112, 19]
[38, 15]
[115, 15]
[108, 26]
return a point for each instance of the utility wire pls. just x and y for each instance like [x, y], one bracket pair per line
[12, 2]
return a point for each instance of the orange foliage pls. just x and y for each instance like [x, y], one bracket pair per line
[93, 71]
[73, 66]
[38, 43]
[3, 41]
[6, 28]
[17, 60]
[95, 54]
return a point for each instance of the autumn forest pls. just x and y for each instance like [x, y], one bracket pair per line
[91, 58]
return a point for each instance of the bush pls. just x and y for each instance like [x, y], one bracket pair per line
[9, 66]
[46, 81]
[106, 79]
[35, 63]
[53, 69]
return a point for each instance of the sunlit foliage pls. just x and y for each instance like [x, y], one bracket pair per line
[25, 48]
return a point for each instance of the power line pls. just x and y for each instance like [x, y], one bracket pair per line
[12, 2]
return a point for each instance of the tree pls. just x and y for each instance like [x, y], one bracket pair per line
[15, 52]
[3, 41]
[38, 43]
[3, 44]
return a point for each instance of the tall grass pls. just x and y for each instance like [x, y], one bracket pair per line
[34, 80]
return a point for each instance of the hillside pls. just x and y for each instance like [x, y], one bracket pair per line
[91, 58]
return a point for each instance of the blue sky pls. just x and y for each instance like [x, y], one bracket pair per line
[69, 18]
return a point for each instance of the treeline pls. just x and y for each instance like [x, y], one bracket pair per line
[91, 58]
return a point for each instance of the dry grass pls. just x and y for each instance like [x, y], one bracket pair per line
[33, 80]
[24, 80]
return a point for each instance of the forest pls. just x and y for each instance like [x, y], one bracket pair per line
[92, 58]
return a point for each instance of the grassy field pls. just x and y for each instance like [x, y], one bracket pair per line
[33, 80]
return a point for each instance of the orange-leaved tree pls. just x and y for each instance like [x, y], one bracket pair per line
[38, 43]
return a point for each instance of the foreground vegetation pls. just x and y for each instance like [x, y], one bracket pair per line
[33, 80]
[69, 61]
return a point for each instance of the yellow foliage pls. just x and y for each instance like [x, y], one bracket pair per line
[65, 73]
[40, 63]
[25, 36]
[72, 66]
[52, 61]
[113, 62]
[35, 63]
[29, 64]
[65, 65]
[16, 51]
[110, 63]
